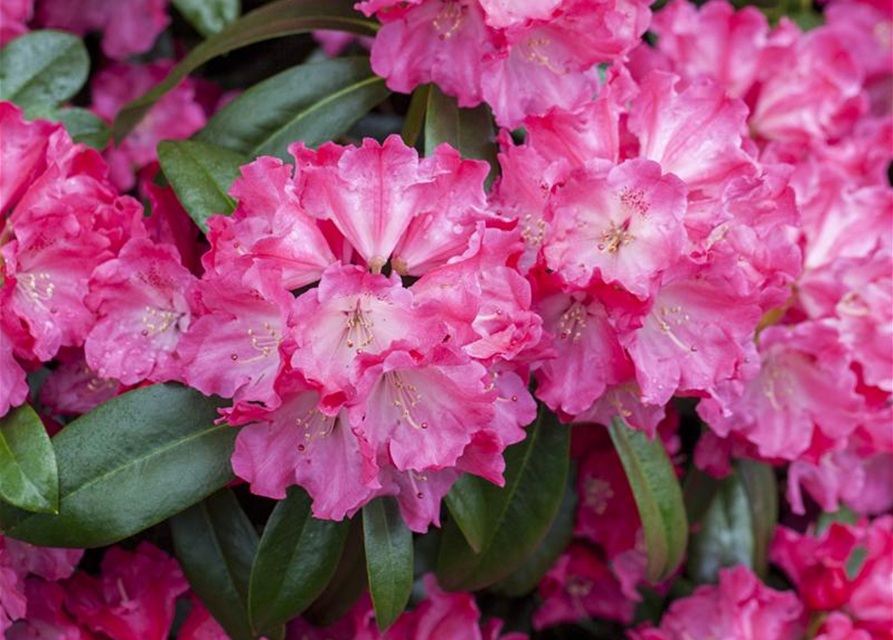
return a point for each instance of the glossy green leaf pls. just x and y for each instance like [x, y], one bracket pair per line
[842, 515]
[84, 126]
[470, 131]
[209, 16]
[312, 103]
[658, 498]
[518, 516]
[698, 492]
[274, 20]
[725, 536]
[43, 69]
[761, 486]
[215, 543]
[348, 583]
[467, 503]
[526, 577]
[856, 562]
[389, 559]
[414, 123]
[28, 476]
[131, 463]
[201, 175]
[296, 559]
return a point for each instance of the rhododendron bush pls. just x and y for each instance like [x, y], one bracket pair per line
[446, 319]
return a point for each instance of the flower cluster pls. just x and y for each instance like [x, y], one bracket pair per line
[520, 58]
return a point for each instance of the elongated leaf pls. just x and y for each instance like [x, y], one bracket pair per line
[28, 476]
[658, 497]
[43, 68]
[312, 103]
[216, 543]
[296, 559]
[129, 464]
[274, 20]
[209, 16]
[725, 536]
[414, 123]
[468, 130]
[761, 487]
[698, 492]
[389, 558]
[467, 503]
[347, 584]
[518, 516]
[526, 577]
[201, 175]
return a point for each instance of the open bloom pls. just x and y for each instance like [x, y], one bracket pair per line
[521, 59]
[398, 382]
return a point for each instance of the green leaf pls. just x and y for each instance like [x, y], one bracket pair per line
[201, 175]
[273, 20]
[215, 543]
[658, 498]
[209, 16]
[761, 487]
[84, 126]
[842, 515]
[129, 464]
[312, 103]
[389, 558]
[347, 585]
[470, 131]
[296, 559]
[43, 68]
[414, 122]
[856, 562]
[725, 537]
[468, 506]
[518, 516]
[28, 476]
[526, 577]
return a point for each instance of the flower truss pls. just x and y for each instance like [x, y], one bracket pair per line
[489, 319]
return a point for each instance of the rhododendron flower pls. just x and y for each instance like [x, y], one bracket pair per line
[14, 17]
[128, 26]
[801, 397]
[740, 607]
[400, 388]
[141, 300]
[848, 567]
[520, 59]
[74, 388]
[134, 597]
[175, 116]
[579, 585]
[64, 220]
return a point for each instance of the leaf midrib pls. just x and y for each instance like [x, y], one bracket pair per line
[30, 81]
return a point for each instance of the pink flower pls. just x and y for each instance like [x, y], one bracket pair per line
[270, 226]
[14, 18]
[714, 41]
[580, 586]
[811, 88]
[444, 616]
[623, 225]
[375, 193]
[802, 397]
[298, 444]
[47, 618]
[233, 347]
[522, 59]
[848, 567]
[134, 597]
[694, 131]
[141, 300]
[334, 42]
[128, 26]
[74, 388]
[840, 627]
[176, 116]
[740, 607]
